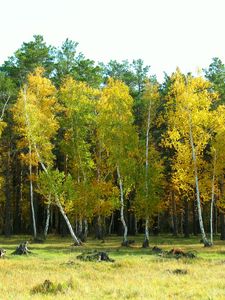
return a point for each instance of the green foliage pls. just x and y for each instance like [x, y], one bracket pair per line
[216, 74]
[7, 88]
[54, 185]
[95, 121]
[51, 183]
[30, 56]
[115, 125]
[132, 74]
[147, 203]
[78, 122]
[71, 63]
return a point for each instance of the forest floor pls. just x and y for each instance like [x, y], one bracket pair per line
[136, 273]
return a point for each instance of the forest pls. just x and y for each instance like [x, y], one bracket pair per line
[92, 148]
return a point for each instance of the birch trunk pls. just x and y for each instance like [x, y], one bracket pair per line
[146, 241]
[122, 206]
[146, 229]
[47, 221]
[204, 239]
[30, 165]
[212, 199]
[76, 240]
[85, 229]
[32, 197]
[111, 224]
[58, 203]
[80, 227]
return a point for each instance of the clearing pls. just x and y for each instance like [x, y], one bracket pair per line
[52, 270]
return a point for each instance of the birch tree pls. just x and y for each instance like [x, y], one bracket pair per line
[217, 159]
[79, 102]
[190, 122]
[35, 125]
[150, 179]
[35, 117]
[118, 136]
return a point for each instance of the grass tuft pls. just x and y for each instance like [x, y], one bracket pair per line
[48, 287]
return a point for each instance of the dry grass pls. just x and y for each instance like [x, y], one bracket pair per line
[136, 273]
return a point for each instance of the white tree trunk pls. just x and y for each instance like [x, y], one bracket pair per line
[147, 148]
[4, 108]
[122, 205]
[111, 224]
[47, 221]
[30, 164]
[32, 199]
[212, 199]
[146, 169]
[204, 239]
[76, 240]
[58, 203]
[146, 229]
[80, 227]
[85, 229]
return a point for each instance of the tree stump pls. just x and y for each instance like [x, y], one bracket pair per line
[22, 249]
[127, 243]
[208, 244]
[2, 252]
[77, 244]
[177, 251]
[157, 249]
[95, 256]
[145, 244]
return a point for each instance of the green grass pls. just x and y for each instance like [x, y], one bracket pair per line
[135, 274]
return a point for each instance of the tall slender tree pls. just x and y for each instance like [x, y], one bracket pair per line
[148, 189]
[34, 114]
[118, 136]
[190, 123]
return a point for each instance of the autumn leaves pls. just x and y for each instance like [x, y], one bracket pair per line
[108, 154]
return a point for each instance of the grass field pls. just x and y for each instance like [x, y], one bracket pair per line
[136, 273]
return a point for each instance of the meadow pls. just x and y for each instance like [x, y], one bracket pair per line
[137, 273]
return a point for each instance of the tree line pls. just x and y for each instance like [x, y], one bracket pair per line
[104, 148]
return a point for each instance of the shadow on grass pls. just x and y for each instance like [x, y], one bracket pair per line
[57, 244]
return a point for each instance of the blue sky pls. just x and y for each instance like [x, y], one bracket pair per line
[164, 33]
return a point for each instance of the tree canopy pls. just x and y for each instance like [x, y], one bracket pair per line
[104, 147]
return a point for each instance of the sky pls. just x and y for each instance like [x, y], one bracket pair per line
[164, 33]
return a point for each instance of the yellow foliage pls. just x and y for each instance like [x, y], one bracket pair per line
[35, 117]
[189, 109]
